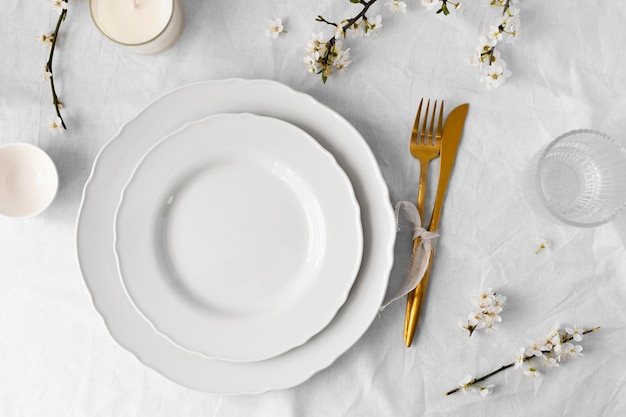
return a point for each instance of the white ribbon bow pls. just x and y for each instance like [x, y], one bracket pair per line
[420, 258]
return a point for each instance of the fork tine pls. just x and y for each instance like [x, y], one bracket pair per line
[439, 123]
[423, 133]
[414, 134]
[430, 140]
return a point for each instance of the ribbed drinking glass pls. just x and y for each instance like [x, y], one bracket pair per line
[579, 179]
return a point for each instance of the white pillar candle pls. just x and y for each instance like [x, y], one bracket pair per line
[144, 26]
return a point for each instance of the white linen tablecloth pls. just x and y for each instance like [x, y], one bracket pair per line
[56, 357]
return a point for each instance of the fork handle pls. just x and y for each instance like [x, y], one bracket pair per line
[421, 191]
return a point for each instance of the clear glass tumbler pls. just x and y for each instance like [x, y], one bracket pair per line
[579, 179]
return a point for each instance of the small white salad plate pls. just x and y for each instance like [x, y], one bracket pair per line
[28, 180]
[238, 237]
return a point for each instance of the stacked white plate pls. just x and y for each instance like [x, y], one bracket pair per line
[236, 236]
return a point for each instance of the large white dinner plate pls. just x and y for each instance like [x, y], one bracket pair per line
[111, 171]
[238, 237]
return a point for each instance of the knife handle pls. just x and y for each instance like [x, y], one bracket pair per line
[416, 301]
[411, 295]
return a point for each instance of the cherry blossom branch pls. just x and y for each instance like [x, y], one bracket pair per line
[553, 345]
[487, 58]
[48, 68]
[501, 28]
[489, 305]
[50, 40]
[326, 55]
[350, 22]
[323, 56]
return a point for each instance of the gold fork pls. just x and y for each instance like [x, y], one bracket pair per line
[425, 146]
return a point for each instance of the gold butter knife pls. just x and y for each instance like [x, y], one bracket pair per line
[450, 139]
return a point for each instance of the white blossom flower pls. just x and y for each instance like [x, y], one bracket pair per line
[494, 34]
[483, 298]
[485, 44]
[570, 351]
[549, 362]
[478, 321]
[59, 4]
[499, 301]
[316, 46]
[55, 126]
[532, 372]
[476, 60]
[534, 350]
[357, 30]
[466, 385]
[475, 319]
[467, 326]
[460, 7]
[312, 64]
[552, 338]
[45, 38]
[396, 6]
[511, 25]
[491, 319]
[429, 4]
[342, 59]
[576, 332]
[373, 26]
[317, 39]
[274, 28]
[543, 242]
[46, 74]
[495, 75]
[514, 34]
[486, 391]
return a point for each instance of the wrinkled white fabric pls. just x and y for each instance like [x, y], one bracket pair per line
[56, 356]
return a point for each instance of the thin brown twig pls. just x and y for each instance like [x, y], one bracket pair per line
[55, 99]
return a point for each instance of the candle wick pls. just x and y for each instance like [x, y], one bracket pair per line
[134, 4]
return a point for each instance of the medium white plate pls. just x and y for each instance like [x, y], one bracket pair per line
[111, 171]
[238, 237]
